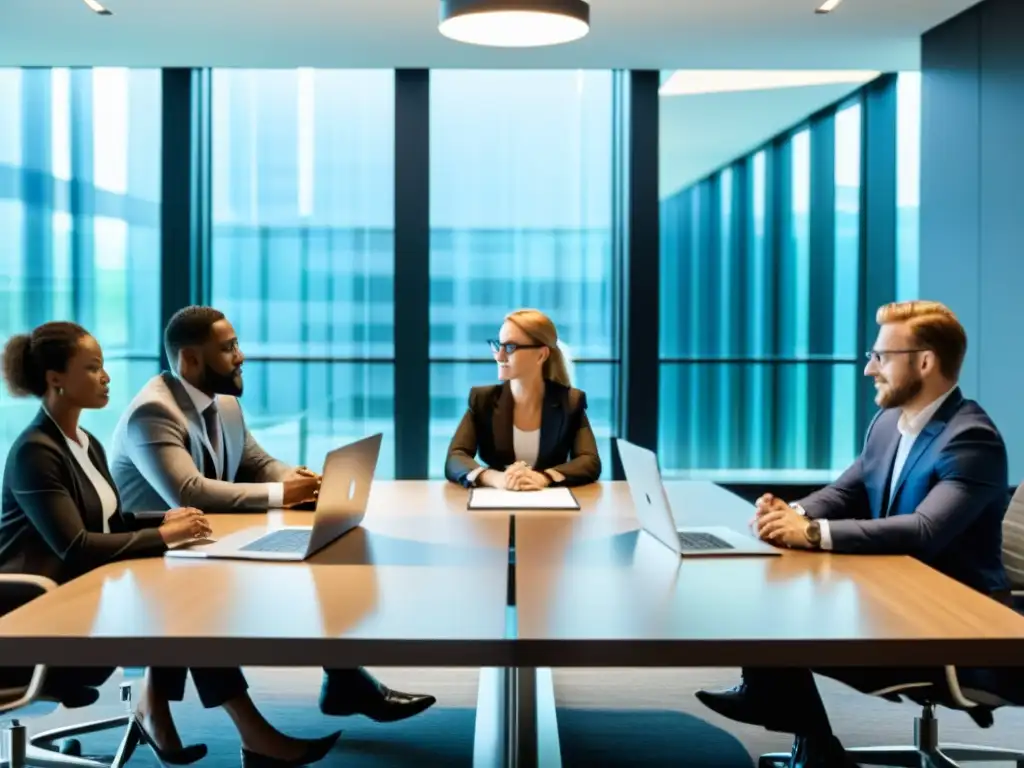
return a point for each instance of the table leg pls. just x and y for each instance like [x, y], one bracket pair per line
[516, 721]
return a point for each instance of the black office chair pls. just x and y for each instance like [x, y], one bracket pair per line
[57, 747]
[951, 693]
[926, 750]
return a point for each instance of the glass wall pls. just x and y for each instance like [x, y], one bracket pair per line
[520, 216]
[760, 304]
[761, 261]
[908, 183]
[80, 215]
[303, 252]
[845, 442]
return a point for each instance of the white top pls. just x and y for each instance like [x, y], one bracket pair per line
[80, 450]
[909, 429]
[202, 401]
[526, 445]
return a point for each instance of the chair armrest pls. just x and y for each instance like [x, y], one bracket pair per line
[922, 691]
[17, 589]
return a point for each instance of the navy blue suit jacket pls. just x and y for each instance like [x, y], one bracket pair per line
[947, 506]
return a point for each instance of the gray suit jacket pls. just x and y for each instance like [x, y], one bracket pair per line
[160, 447]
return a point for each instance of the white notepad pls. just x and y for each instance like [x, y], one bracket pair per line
[499, 498]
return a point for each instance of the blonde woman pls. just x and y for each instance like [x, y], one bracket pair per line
[532, 430]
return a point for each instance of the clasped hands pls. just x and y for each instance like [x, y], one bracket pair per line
[776, 522]
[184, 524]
[517, 477]
[301, 486]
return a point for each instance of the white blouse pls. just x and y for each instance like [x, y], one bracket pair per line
[80, 450]
[526, 445]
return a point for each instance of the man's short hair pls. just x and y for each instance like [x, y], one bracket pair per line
[189, 327]
[934, 327]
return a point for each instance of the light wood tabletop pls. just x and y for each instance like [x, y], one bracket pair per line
[593, 590]
[415, 584]
[423, 582]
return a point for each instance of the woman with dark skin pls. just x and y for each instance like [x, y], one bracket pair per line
[60, 517]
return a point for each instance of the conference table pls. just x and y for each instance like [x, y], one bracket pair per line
[425, 581]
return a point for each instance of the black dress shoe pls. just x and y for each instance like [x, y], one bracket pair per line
[820, 752]
[737, 703]
[316, 750]
[379, 703]
[184, 756]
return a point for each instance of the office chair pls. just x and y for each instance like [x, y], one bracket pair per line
[926, 751]
[45, 750]
[977, 703]
[1013, 547]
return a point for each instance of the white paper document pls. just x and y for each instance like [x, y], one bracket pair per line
[499, 498]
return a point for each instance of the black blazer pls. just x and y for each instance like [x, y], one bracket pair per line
[567, 442]
[51, 518]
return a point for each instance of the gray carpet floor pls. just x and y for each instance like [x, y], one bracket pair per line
[606, 717]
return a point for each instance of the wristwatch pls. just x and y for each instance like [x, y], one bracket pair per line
[813, 534]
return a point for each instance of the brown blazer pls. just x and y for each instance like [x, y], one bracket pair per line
[51, 522]
[567, 443]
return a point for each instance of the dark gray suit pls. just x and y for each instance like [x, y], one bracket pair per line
[161, 459]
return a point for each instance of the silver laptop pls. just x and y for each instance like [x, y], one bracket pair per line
[340, 507]
[655, 513]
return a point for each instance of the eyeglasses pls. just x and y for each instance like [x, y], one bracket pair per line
[876, 355]
[511, 346]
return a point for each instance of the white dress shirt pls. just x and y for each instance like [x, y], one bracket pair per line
[909, 428]
[80, 450]
[202, 401]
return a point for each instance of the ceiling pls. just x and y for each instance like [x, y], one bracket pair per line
[642, 34]
[701, 133]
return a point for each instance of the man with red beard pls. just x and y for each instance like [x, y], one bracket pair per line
[931, 482]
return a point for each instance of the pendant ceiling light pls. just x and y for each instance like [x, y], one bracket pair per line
[514, 23]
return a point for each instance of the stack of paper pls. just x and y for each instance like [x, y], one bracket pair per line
[499, 498]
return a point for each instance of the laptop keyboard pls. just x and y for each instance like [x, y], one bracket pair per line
[280, 541]
[695, 542]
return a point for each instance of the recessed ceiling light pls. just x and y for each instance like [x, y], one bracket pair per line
[514, 23]
[828, 6]
[98, 8]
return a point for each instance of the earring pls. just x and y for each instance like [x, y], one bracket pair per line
[60, 391]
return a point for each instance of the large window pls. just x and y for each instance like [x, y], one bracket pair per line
[764, 300]
[794, 308]
[80, 219]
[845, 441]
[520, 216]
[760, 308]
[303, 252]
[908, 184]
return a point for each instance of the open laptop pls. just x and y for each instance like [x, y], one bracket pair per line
[340, 507]
[655, 513]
